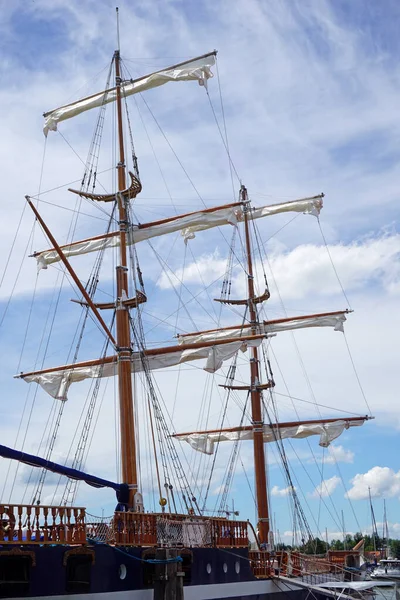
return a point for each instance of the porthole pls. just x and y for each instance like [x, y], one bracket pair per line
[122, 571]
[208, 567]
[237, 567]
[225, 567]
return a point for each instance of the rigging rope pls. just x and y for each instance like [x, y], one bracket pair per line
[228, 381]
[232, 464]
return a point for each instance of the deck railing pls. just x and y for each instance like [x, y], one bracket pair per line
[226, 533]
[134, 529]
[142, 529]
[294, 564]
[261, 564]
[34, 524]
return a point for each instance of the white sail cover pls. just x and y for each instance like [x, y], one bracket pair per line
[205, 442]
[187, 224]
[197, 70]
[56, 383]
[336, 321]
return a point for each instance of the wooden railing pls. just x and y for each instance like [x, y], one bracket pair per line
[225, 533]
[33, 524]
[134, 529]
[336, 562]
[261, 564]
[143, 529]
[268, 564]
[294, 564]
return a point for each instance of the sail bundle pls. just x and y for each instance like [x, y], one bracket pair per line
[188, 225]
[198, 69]
[269, 328]
[56, 381]
[204, 442]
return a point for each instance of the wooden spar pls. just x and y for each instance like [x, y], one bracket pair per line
[103, 236]
[87, 363]
[140, 298]
[176, 217]
[127, 421]
[142, 226]
[255, 395]
[194, 345]
[129, 193]
[71, 271]
[274, 425]
[261, 386]
[147, 352]
[257, 300]
[266, 323]
[115, 89]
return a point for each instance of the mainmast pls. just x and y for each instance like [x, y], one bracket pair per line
[255, 393]
[124, 348]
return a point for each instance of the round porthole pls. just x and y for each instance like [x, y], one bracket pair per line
[237, 567]
[225, 567]
[122, 571]
[208, 567]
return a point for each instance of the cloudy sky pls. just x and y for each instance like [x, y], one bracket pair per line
[309, 94]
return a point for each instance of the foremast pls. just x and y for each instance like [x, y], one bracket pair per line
[255, 393]
[123, 335]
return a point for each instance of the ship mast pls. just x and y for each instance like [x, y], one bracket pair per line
[255, 393]
[124, 348]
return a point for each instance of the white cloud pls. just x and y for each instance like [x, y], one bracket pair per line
[307, 269]
[326, 487]
[339, 454]
[276, 491]
[382, 481]
[204, 271]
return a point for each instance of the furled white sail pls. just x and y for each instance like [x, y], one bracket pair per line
[57, 382]
[205, 442]
[197, 70]
[188, 224]
[334, 320]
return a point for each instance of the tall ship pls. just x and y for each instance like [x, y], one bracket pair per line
[162, 540]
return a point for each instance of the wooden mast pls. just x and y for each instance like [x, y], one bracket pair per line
[124, 348]
[255, 394]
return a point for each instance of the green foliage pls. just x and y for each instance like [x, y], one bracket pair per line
[317, 546]
[394, 546]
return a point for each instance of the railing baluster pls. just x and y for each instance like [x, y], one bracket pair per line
[28, 524]
[19, 535]
[36, 523]
[45, 524]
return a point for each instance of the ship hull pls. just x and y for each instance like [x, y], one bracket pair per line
[122, 574]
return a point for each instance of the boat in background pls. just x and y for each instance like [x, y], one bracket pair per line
[387, 569]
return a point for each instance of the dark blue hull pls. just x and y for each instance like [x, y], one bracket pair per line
[106, 571]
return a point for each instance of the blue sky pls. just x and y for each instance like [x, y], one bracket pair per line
[310, 93]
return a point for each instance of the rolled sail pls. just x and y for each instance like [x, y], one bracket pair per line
[332, 319]
[56, 382]
[328, 432]
[198, 69]
[188, 224]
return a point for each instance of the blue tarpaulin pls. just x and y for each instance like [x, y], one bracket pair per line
[37, 461]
